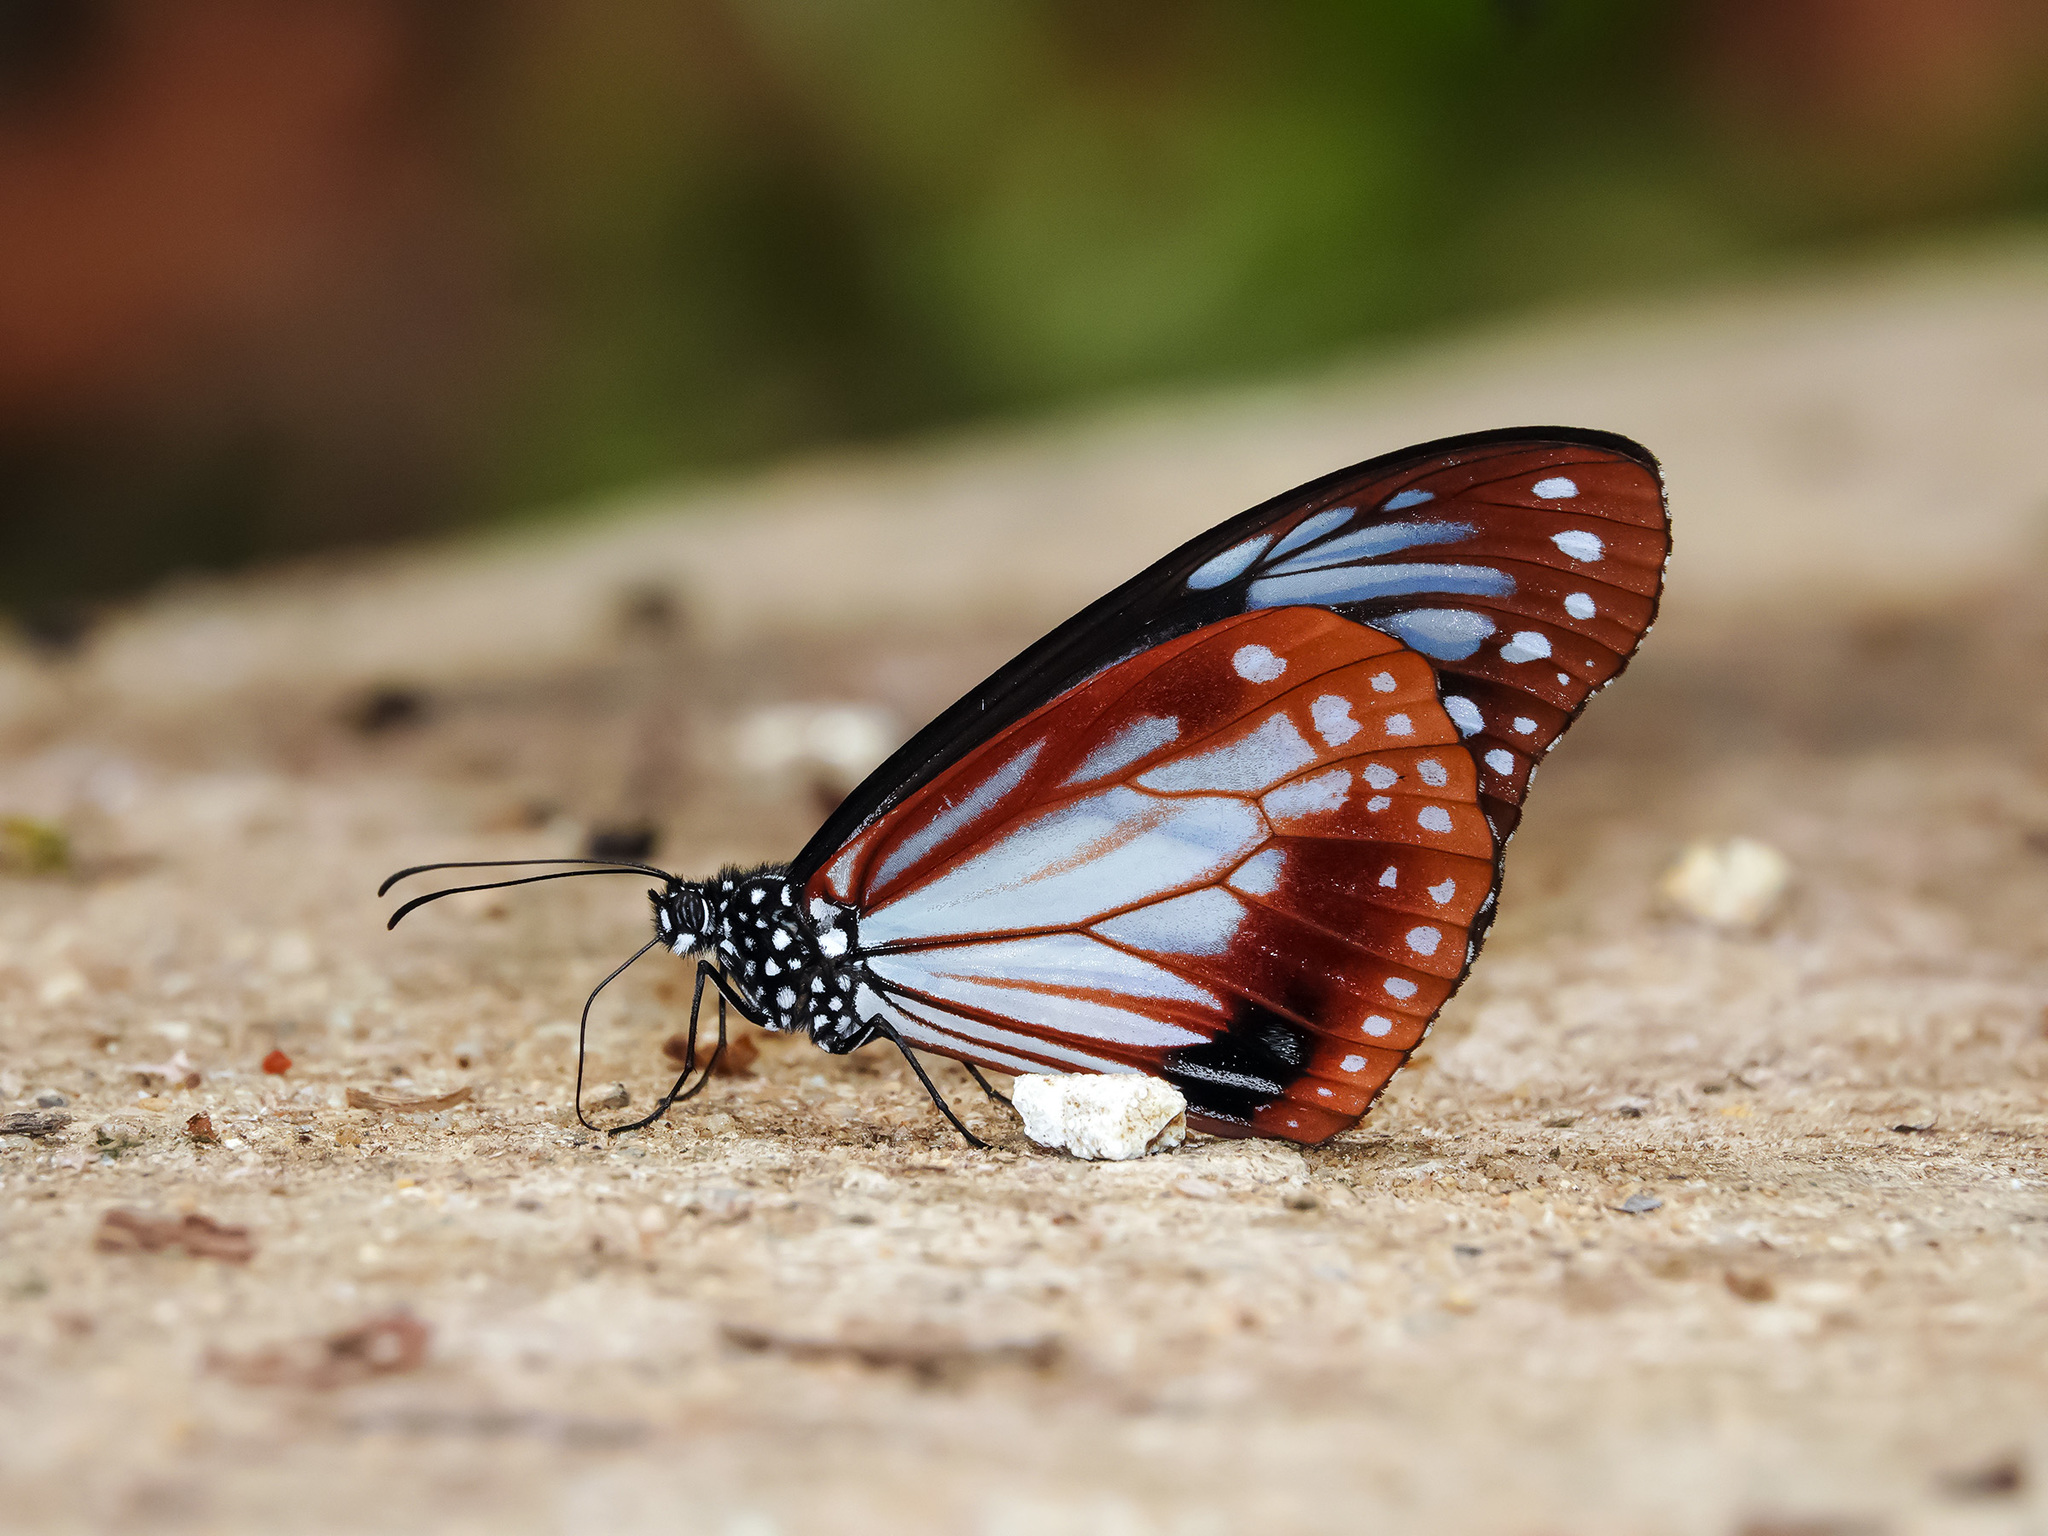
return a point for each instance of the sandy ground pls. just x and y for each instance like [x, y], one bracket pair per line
[802, 1306]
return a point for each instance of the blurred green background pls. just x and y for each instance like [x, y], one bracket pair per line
[277, 278]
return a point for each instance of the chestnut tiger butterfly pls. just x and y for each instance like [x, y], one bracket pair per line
[1239, 824]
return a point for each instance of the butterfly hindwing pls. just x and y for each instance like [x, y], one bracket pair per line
[1245, 860]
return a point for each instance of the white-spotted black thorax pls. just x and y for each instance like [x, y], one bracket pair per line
[791, 963]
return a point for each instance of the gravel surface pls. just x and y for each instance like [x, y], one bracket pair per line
[1669, 1230]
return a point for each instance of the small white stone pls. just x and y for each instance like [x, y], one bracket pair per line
[1109, 1117]
[1736, 884]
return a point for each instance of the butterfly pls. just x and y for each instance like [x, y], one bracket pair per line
[1239, 824]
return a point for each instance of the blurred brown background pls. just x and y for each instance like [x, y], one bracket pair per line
[282, 277]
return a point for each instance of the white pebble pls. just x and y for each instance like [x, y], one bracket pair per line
[1736, 884]
[1113, 1116]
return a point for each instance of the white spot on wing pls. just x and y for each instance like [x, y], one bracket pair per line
[1378, 803]
[1332, 714]
[1524, 725]
[1383, 682]
[1464, 714]
[1370, 544]
[1443, 891]
[1351, 1063]
[1433, 818]
[1400, 725]
[1200, 923]
[1259, 875]
[832, 943]
[1256, 664]
[984, 797]
[1556, 487]
[1388, 876]
[1433, 773]
[1312, 528]
[1231, 563]
[1580, 605]
[1403, 499]
[1400, 986]
[1527, 645]
[1448, 634]
[1146, 734]
[1424, 940]
[1579, 544]
[1363, 583]
[1380, 776]
[1500, 760]
[1264, 756]
[1375, 1025]
[1307, 797]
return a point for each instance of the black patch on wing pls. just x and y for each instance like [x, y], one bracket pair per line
[1243, 1070]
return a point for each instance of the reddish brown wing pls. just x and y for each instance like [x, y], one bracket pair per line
[1580, 536]
[1524, 564]
[1245, 860]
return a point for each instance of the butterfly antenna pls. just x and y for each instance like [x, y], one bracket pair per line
[597, 867]
[583, 1029]
[623, 865]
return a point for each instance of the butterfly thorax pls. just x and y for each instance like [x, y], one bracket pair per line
[791, 964]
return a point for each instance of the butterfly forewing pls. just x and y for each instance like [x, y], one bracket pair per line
[1458, 549]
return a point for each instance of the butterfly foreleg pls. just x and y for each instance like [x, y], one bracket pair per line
[883, 1032]
[725, 993]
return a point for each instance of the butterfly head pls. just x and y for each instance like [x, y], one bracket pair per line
[686, 916]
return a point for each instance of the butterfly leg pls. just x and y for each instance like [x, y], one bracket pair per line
[884, 1032]
[706, 971]
[986, 1087]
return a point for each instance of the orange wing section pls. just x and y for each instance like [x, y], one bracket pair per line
[1246, 860]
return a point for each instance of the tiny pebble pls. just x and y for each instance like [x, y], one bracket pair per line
[1111, 1117]
[277, 1063]
[1733, 885]
[51, 1101]
[613, 1097]
[1639, 1204]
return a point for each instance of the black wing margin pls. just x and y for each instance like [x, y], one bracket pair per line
[1525, 563]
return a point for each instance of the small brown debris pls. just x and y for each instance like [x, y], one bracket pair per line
[931, 1362]
[1749, 1286]
[200, 1128]
[737, 1060]
[32, 1122]
[277, 1063]
[348, 1136]
[1999, 1478]
[387, 707]
[381, 1346]
[628, 842]
[124, 1231]
[389, 1101]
